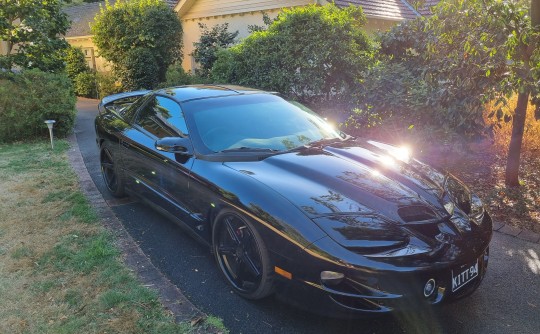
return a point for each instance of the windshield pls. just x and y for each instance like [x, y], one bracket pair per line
[256, 121]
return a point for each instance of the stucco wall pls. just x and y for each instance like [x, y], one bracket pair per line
[375, 25]
[3, 47]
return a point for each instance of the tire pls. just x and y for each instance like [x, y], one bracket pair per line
[110, 172]
[242, 256]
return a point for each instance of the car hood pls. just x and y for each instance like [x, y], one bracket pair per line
[360, 177]
[371, 202]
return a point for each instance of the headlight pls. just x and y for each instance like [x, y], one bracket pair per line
[477, 210]
[462, 197]
[460, 194]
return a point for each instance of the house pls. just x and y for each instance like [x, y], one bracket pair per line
[80, 34]
[239, 14]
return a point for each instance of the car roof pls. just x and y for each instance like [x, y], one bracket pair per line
[198, 92]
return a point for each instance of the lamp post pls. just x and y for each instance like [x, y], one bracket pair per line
[50, 124]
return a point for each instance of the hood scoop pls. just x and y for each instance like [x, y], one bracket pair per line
[417, 214]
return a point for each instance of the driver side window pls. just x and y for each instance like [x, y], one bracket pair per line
[162, 117]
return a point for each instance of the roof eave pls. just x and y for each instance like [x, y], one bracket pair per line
[183, 6]
[78, 37]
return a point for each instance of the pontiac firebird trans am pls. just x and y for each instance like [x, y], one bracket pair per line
[287, 204]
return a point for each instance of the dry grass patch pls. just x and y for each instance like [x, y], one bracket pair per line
[59, 269]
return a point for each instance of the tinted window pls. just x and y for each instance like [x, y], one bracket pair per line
[162, 117]
[130, 111]
[256, 121]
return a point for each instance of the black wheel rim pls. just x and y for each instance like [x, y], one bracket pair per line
[108, 170]
[238, 254]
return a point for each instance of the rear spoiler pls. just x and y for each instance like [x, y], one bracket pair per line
[114, 97]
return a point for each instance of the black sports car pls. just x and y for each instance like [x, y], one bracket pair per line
[290, 205]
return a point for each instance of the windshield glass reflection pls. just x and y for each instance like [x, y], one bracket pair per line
[258, 121]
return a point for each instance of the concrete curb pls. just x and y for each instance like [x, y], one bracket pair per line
[519, 233]
[134, 258]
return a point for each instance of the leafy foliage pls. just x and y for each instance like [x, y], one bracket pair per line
[127, 32]
[467, 54]
[440, 72]
[32, 30]
[107, 84]
[205, 53]
[29, 98]
[85, 84]
[75, 62]
[312, 52]
[176, 76]
[139, 69]
[267, 21]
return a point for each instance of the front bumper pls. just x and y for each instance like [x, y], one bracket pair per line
[382, 286]
[380, 293]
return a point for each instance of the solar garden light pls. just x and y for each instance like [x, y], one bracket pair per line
[50, 124]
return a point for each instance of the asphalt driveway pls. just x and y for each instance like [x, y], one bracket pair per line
[508, 301]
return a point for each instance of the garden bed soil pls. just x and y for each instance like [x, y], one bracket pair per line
[483, 170]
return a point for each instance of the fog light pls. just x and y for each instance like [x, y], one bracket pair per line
[429, 288]
[331, 277]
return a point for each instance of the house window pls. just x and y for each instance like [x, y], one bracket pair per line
[89, 57]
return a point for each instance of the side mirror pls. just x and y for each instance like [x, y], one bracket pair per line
[176, 145]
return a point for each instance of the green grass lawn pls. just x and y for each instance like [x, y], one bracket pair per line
[59, 269]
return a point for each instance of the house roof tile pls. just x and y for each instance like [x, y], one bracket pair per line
[389, 9]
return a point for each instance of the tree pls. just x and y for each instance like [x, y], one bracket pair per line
[132, 30]
[504, 46]
[307, 53]
[33, 32]
[527, 45]
[205, 53]
[476, 51]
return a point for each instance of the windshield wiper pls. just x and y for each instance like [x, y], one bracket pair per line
[321, 143]
[249, 149]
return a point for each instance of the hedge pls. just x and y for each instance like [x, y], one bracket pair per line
[29, 98]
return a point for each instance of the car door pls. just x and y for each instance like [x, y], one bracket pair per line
[160, 177]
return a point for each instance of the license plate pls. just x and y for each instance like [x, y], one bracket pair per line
[464, 275]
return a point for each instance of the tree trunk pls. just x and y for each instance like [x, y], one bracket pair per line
[535, 13]
[520, 114]
[514, 150]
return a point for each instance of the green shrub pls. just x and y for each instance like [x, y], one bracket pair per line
[418, 85]
[85, 84]
[141, 71]
[107, 84]
[211, 40]
[29, 98]
[392, 90]
[75, 62]
[307, 53]
[227, 66]
[176, 76]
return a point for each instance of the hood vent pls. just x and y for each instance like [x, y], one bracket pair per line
[416, 213]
